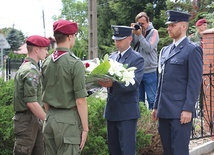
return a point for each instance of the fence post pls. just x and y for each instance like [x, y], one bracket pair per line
[7, 68]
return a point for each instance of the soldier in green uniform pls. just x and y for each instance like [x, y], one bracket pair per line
[196, 37]
[64, 95]
[29, 114]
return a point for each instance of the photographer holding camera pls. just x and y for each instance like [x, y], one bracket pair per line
[145, 40]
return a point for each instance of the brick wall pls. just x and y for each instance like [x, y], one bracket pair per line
[208, 49]
[208, 78]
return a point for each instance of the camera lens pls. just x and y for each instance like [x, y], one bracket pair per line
[137, 26]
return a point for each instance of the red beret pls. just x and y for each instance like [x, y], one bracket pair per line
[200, 22]
[65, 27]
[39, 41]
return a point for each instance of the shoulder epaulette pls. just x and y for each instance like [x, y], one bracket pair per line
[74, 56]
[33, 66]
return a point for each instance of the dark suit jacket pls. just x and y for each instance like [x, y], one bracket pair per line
[180, 79]
[123, 101]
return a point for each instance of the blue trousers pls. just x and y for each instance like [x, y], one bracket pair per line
[148, 85]
[122, 137]
[175, 137]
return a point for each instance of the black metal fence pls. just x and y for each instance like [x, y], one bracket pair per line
[12, 65]
[203, 123]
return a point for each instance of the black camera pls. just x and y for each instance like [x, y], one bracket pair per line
[137, 26]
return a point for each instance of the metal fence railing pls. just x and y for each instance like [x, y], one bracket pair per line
[203, 123]
[12, 65]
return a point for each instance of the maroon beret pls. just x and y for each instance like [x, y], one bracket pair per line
[200, 22]
[65, 27]
[39, 41]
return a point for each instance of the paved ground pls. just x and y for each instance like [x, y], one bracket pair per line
[202, 147]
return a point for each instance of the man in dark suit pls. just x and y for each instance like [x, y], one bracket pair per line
[180, 77]
[122, 108]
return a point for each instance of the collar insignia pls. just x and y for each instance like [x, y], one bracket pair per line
[57, 54]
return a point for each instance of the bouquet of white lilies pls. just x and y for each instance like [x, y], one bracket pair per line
[108, 69]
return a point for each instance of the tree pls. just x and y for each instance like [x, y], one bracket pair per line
[210, 15]
[123, 12]
[77, 11]
[15, 38]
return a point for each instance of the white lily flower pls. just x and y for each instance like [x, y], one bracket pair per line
[116, 71]
[128, 77]
[115, 68]
[131, 68]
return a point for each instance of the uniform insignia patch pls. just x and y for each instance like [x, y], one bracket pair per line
[33, 79]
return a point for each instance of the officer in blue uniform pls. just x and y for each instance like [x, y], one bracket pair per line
[122, 108]
[180, 76]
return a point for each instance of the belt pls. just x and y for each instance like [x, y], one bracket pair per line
[24, 112]
[73, 108]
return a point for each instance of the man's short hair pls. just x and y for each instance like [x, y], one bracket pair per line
[140, 15]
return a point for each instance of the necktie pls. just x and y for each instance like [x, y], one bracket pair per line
[172, 48]
[119, 57]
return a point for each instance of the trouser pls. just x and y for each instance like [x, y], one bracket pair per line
[122, 137]
[29, 139]
[62, 132]
[148, 85]
[175, 137]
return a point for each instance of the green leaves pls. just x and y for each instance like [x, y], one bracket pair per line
[102, 68]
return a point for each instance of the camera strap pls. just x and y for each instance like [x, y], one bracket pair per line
[137, 45]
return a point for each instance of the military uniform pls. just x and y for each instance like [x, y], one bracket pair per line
[197, 38]
[63, 83]
[27, 127]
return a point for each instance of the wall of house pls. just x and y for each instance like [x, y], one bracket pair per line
[208, 77]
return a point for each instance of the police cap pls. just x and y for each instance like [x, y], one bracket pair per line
[121, 32]
[176, 16]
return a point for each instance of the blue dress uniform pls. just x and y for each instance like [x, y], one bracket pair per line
[122, 108]
[180, 77]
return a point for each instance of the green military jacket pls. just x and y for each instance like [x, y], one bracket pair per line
[196, 37]
[27, 85]
[63, 79]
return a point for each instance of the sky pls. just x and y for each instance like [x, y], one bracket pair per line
[26, 15]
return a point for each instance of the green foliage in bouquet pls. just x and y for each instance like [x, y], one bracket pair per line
[103, 68]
